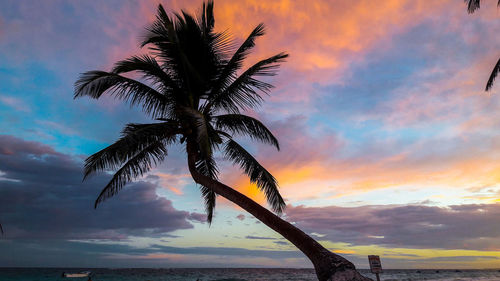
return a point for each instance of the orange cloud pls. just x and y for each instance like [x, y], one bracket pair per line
[323, 37]
[310, 170]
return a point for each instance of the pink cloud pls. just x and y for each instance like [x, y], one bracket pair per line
[12, 146]
[173, 182]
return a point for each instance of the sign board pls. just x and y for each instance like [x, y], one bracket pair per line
[375, 264]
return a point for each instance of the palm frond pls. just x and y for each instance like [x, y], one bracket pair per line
[209, 198]
[236, 60]
[163, 41]
[473, 5]
[190, 50]
[258, 174]
[162, 28]
[207, 17]
[179, 43]
[151, 70]
[135, 138]
[214, 136]
[96, 83]
[201, 54]
[136, 166]
[208, 167]
[243, 92]
[493, 75]
[245, 125]
[223, 134]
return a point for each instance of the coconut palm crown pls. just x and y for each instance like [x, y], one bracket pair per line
[192, 86]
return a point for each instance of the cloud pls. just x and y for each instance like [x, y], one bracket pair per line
[15, 103]
[81, 254]
[301, 153]
[259, 237]
[51, 126]
[319, 163]
[14, 146]
[241, 217]
[470, 227]
[409, 114]
[173, 182]
[347, 36]
[374, 96]
[463, 258]
[202, 218]
[225, 251]
[323, 36]
[45, 198]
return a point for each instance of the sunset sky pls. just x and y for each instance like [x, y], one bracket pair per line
[389, 145]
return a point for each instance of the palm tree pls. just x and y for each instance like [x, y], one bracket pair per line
[472, 6]
[190, 86]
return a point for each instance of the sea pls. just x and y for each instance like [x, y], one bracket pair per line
[233, 274]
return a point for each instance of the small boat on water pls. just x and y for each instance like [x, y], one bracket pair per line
[76, 275]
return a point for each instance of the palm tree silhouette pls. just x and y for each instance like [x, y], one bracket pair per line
[191, 87]
[472, 6]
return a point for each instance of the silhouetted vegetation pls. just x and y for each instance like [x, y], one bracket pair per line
[472, 6]
[192, 85]
[196, 97]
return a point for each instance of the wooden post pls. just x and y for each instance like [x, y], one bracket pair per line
[378, 278]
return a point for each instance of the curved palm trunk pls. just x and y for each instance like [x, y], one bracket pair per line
[328, 266]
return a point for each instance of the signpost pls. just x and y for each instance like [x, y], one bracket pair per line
[375, 265]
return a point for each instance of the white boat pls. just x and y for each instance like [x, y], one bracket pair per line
[77, 275]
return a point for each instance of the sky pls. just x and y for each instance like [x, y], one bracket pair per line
[389, 145]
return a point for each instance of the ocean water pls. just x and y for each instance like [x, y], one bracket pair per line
[233, 274]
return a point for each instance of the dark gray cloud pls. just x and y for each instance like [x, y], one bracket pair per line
[226, 251]
[49, 252]
[42, 196]
[474, 226]
[259, 237]
[12, 145]
[462, 258]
